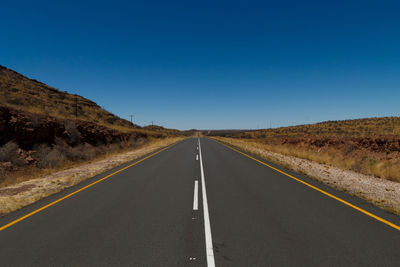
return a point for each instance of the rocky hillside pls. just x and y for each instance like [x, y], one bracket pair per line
[28, 130]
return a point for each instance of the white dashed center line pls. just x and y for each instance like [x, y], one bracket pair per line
[196, 195]
[207, 225]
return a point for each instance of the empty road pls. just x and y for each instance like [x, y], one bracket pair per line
[200, 203]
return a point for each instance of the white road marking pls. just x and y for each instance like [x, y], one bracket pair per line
[197, 157]
[207, 225]
[195, 196]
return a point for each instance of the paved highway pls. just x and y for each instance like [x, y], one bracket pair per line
[200, 204]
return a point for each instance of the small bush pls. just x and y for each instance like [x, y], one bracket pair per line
[47, 157]
[89, 152]
[2, 174]
[74, 153]
[41, 150]
[54, 159]
[113, 148]
[8, 152]
[81, 152]
[135, 142]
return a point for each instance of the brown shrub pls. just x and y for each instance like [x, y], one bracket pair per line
[54, 159]
[78, 152]
[48, 157]
[82, 152]
[8, 152]
[113, 148]
[88, 152]
[74, 153]
[2, 174]
[135, 142]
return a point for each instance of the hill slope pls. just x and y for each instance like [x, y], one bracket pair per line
[20, 92]
[369, 127]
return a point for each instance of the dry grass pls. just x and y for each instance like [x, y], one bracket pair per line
[377, 164]
[385, 126]
[19, 195]
[382, 168]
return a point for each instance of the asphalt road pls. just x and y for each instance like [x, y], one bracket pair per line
[249, 215]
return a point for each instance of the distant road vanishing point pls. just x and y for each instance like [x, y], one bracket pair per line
[200, 203]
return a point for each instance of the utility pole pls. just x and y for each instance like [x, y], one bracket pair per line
[76, 107]
[131, 118]
[393, 125]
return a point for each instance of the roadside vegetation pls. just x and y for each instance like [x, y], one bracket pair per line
[43, 182]
[17, 165]
[368, 146]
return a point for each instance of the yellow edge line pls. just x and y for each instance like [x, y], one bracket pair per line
[320, 190]
[79, 190]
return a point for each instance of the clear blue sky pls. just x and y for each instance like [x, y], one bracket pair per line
[213, 64]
